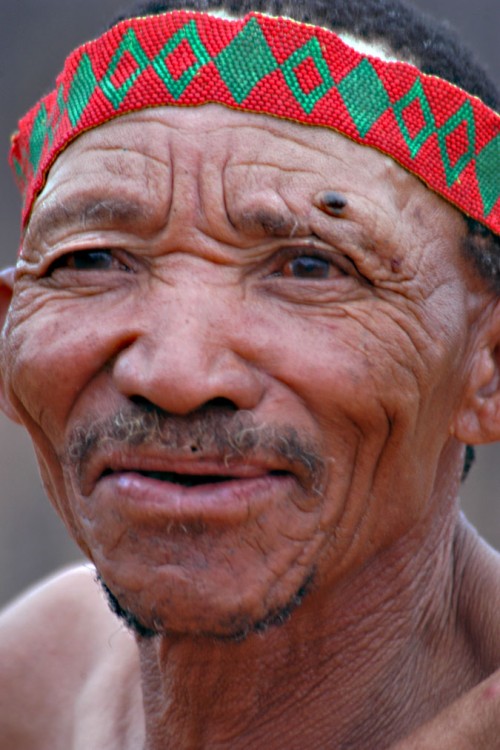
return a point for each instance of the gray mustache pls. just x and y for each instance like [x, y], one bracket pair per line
[216, 431]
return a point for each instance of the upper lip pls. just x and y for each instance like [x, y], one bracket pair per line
[148, 460]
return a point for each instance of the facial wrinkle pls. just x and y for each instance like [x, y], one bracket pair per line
[81, 212]
[264, 215]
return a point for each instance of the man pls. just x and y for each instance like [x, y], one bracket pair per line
[251, 333]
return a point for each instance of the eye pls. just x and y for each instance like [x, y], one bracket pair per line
[309, 264]
[88, 260]
[308, 267]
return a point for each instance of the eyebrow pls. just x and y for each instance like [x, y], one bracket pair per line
[81, 212]
[122, 213]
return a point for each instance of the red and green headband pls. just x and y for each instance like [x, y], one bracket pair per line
[278, 67]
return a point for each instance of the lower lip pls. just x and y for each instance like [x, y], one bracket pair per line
[227, 502]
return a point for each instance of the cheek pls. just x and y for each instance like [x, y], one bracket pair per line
[340, 370]
[376, 367]
[374, 384]
[44, 379]
[53, 355]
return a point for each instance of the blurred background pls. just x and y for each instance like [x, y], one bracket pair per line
[35, 37]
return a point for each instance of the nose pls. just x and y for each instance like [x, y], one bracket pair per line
[187, 353]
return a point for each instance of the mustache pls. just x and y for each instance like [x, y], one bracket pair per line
[215, 431]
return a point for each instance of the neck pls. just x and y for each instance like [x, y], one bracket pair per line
[369, 659]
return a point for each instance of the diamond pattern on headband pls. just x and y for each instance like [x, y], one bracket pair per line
[37, 137]
[131, 53]
[177, 76]
[318, 73]
[82, 88]
[488, 171]
[464, 115]
[245, 61]
[278, 67]
[415, 95]
[364, 96]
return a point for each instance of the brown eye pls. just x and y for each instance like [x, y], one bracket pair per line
[307, 267]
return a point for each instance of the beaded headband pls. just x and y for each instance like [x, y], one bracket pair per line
[278, 67]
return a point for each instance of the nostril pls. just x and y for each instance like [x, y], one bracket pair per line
[220, 403]
[215, 404]
[144, 404]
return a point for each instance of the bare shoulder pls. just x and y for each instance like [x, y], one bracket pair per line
[66, 607]
[68, 588]
[54, 639]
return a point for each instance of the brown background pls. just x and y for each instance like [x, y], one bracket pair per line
[35, 36]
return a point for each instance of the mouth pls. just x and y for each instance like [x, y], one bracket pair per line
[209, 493]
[189, 480]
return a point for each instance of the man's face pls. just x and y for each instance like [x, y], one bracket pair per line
[230, 389]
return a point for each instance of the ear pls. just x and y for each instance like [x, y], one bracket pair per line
[478, 417]
[6, 286]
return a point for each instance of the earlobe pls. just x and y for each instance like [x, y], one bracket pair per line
[478, 417]
[6, 287]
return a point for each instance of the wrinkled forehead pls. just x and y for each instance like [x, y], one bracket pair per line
[228, 170]
[168, 145]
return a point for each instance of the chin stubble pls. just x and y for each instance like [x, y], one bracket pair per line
[242, 631]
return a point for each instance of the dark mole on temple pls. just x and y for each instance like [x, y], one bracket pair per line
[331, 202]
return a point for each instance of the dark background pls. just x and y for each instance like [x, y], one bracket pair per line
[35, 37]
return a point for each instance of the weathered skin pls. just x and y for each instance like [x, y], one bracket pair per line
[381, 355]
